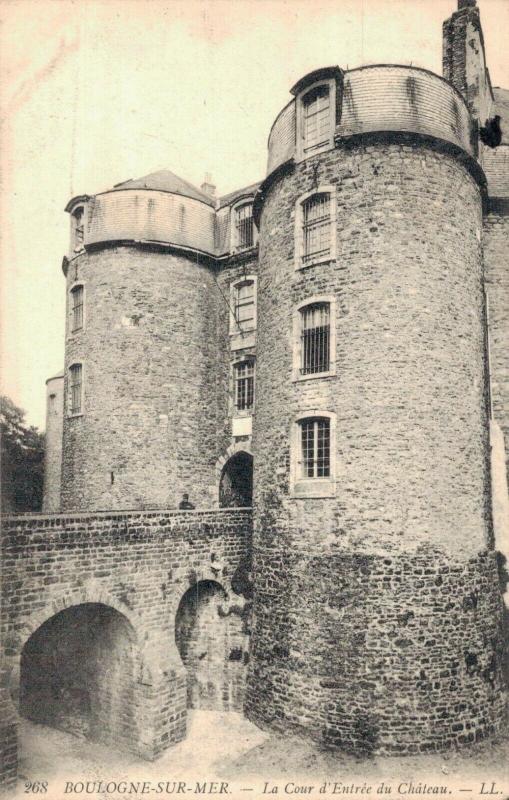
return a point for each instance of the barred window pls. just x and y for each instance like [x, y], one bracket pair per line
[244, 305]
[77, 308]
[316, 228]
[315, 448]
[244, 385]
[316, 106]
[315, 338]
[75, 388]
[244, 230]
[79, 228]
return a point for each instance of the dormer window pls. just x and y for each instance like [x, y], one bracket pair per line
[78, 228]
[243, 233]
[316, 118]
[318, 106]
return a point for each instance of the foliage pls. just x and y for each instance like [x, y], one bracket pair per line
[22, 460]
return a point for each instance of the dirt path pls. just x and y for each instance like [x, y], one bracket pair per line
[252, 765]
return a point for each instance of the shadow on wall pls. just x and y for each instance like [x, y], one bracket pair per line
[211, 643]
[78, 675]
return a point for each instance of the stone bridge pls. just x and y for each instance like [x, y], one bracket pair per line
[115, 623]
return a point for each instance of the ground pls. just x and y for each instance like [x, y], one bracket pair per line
[227, 748]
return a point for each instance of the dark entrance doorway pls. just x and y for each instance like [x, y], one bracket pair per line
[78, 674]
[236, 484]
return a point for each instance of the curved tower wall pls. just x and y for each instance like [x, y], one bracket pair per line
[146, 434]
[377, 611]
[53, 444]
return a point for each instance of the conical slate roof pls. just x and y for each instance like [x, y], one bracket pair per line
[166, 181]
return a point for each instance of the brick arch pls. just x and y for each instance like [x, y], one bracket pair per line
[90, 594]
[236, 447]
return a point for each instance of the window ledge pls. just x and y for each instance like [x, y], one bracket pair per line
[237, 414]
[298, 377]
[75, 416]
[328, 260]
[314, 488]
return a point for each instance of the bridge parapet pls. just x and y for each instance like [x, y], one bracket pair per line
[134, 565]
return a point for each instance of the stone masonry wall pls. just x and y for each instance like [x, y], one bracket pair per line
[496, 248]
[146, 434]
[140, 565]
[404, 539]
[53, 444]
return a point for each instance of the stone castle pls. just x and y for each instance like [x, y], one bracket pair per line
[319, 362]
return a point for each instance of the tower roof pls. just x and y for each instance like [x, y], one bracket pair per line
[166, 181]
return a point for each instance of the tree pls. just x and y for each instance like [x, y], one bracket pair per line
[22, 460]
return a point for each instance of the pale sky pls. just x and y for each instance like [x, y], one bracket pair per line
[94, 93]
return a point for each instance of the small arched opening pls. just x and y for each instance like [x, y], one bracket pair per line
[236, 483]
[210, 636]
[78, 674]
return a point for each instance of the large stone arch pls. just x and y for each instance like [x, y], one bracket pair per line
[235, 453]
[158, 679]
[31, 623]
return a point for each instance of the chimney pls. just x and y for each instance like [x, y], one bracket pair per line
[464, 59]
[207, 186]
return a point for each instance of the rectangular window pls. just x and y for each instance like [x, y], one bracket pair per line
[316, 118]
[244, 226]
[77, 308]
[75, 387]
[315, 338]
[315, 448]
[244, 385]
[244, 305]
[316, 228]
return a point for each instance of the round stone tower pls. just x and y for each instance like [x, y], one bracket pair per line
[377, 612]
[139, 356]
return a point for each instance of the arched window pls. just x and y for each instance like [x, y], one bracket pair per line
[244, 384]
[243, 226]
[75, 389]
[315, 227]
[316, 118]
[313, 455]
[77, 307]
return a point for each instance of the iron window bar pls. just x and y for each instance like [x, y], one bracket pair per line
[77, 308]
[315, 339]
[244, 226]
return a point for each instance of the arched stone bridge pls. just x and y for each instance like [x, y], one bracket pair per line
[99, 622]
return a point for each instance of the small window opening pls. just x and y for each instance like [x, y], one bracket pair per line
[77, 308]
[75, 388]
